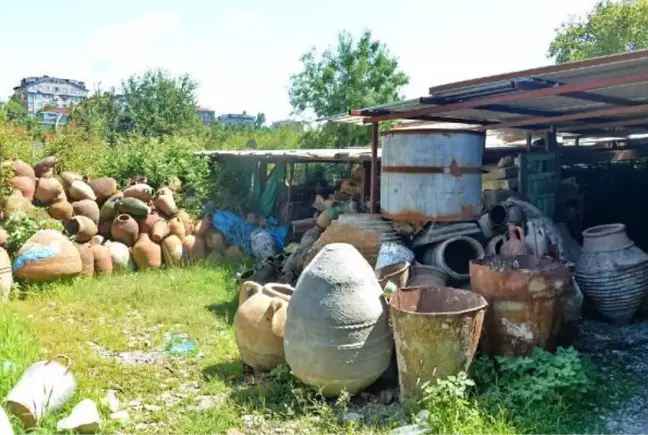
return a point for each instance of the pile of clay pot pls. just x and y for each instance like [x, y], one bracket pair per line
[107, 228]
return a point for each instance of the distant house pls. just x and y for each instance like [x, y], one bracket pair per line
[207, 116]
[53, 118]
[237, 119]
[288, 123]
[36, 93]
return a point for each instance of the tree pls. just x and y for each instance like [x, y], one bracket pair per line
[100, 115]
[611, 27]
[157, 104]
[260, 120]
[352, 75]
[16, 113]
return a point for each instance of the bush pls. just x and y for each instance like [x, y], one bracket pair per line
[21, 226]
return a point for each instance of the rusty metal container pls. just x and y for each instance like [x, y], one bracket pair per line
[436, 332]
[431, 175]
[526, 296]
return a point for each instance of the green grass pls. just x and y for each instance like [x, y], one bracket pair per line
[133, 312]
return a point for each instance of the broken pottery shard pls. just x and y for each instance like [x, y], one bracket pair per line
[84, 418]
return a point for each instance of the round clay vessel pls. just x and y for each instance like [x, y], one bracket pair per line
[47, 190]
[134, 207]
[195, 248]
[87, 259]
[514, 243]
[110, 207]
[47, 256]
[81, 227]
[67, 178]
[234, 253]
[103, 188]
[102, 260]
[259, 324]
[141, 191]
[14, 203]
[80, 190]
[97, 240]
[146, 224]
[125, 229]
[104, 228]
[165, 203]
[337, 334]
[176, 227]
[122, 259]
[172, 250]
[215, 240]
[87, 208]
[61, 210]
[22, 169]
[202, 226]
[186, 221]
[146, 254]
[26, 185]
[45, 167]
[160, 230]
[6, 279]
[3, 237]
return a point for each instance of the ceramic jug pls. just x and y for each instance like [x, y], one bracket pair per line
[514, 243]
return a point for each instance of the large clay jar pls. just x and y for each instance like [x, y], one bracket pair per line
[87, 208]
[104, 228]
[146, 224]
[337, 335]
[67, 178]
[514, 243]
[186, 221]
[47, 256]
[80, 190]
[612, 272]
[6, 279]
[26, 185]
[14, 203]
[134, 207]
[215, 240]
[202, 226]
[87, 259]
[259, 324]
[110, 207]
[3, 237]
[160, 230]
[177, 227]
[147, 255]
[45, 167]
[61, 210]
[47, 190]
[234, 253]
[122, 259]
[22, 169]
[102, 260]
[125, 229]
[141, 191]
[164, 202]
[195, 248]
[103, 188]
[82, 228]
[172, 250]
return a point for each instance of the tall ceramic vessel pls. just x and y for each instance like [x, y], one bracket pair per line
[612, 271]
[337, 336]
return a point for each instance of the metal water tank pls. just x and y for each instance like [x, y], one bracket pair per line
[431, 175]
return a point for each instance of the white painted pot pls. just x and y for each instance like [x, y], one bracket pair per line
[44, 387]
[5, 424]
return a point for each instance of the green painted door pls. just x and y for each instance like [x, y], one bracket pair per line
[539, 180]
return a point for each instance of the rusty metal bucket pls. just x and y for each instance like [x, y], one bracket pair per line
[436, 331]
[398, 274]
[526, 301]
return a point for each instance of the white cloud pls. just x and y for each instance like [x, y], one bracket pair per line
[243, 17]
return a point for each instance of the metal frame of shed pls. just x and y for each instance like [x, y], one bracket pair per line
[606, 96]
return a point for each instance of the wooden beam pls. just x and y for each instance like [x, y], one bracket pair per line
[374, 168]
[620, 123]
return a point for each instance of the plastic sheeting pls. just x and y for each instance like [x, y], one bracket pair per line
[237, 230]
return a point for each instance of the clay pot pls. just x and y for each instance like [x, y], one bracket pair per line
[47, 190]
[134, 207]
[125, 229]
[22, 169]
[215, 240]
[195, 248]
[14, 203]
[146, 254]
[87, 259]
[81, 227]
[215, 258]
[160, 230]
[61, 210]
[26, 185]
[80, 190]
[514, 243]
[165, 203]
[47, 256]
[97, 240]
[259, 324]
[141, 191]
[103, 188]
[102, 260]
[177, 227]
[87, 208]
[3, 237]
[327, 344]
[110, 207]
[45, 167]
[122, 259]
[202, 226]
[146, 224]
[186, 221]
[6, 279]
[67, 178]
[104, 228]
[234, 253]
[172, 250]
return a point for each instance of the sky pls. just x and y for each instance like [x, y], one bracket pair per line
[243, 53]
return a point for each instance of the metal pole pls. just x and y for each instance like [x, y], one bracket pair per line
[374, 168]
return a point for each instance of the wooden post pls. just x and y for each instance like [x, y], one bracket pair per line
[374, 168]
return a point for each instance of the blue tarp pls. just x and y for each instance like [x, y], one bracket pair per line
[237, 230]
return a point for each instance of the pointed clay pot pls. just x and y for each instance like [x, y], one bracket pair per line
[16, 202]
[122, 259]
[82, 228]
[80, 190]
[110, 207]
[45, 168]
[67, 178]
[165, 203]
[195, 248]
[141, 191]
[234, 253]
[47, 190]
[47, 256]
[134, 207]
[102, 260]
[160, 230]
[172, 250]
[146, 254]
[125, 229]
[215, 240]
[186, 221]
[26, 186]
[22, 169]
[97, 240]
[103, 188]
[87, 208]
[146, 224]
[176, 227]
[61, 210]
[87, 259]
[202, 226]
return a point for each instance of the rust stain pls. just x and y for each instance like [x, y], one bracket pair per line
[455, 170]
[467, 213]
